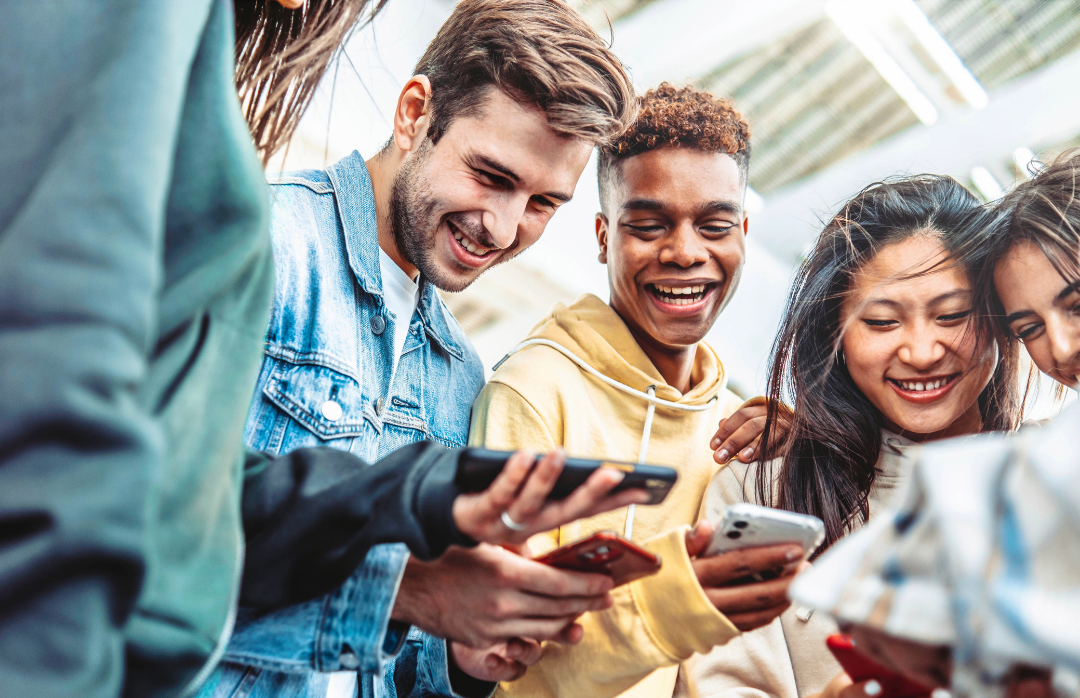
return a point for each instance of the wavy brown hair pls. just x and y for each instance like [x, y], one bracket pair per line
[282, 54]
[828, 457]
[538, 52]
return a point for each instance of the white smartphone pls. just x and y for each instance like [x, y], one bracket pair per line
[750, 526]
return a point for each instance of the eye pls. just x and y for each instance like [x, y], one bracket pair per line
[953, 317]
[493, 180]
[545, 203]
[646, 228]
[1029, 331]
[717, 228]
[879, 323]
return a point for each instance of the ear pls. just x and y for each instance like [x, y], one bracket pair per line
[412, 115]
[601, 236]
[745, 224]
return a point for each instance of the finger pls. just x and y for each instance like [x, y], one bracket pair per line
[743, 437]
[753, 620]
[698, 538]
[734, 565]
[591, 498]
[750, 598]
[545, 580]
[526, 652]
[537, 629]
[499, 669]
[539, 606]
[731, 424]
[538, 486]
[571, 635]
[504, 490]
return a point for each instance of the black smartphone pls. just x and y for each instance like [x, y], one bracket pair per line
[478, 468]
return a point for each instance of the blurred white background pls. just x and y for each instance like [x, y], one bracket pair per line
[839, 93]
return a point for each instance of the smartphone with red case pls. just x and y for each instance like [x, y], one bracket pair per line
[862, 668]
[605, 552]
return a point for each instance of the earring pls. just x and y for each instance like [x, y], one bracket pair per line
[840, 357]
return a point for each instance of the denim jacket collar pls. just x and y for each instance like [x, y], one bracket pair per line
[355, 200]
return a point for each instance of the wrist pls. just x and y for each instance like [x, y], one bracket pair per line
[410, 594]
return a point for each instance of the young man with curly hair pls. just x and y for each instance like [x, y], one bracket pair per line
[632, 380]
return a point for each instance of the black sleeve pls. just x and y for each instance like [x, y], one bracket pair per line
[311, 516]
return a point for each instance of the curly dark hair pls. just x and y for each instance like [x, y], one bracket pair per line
[685, 117]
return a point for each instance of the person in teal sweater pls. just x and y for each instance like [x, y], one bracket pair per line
[135, 282]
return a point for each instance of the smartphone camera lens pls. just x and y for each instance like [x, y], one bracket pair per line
[741, 524]
[734, 534]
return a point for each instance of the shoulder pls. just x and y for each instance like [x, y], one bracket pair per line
[734, 483]
[538, 367]
[287, 184]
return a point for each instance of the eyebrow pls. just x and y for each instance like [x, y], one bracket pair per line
[1062, 295]
[936, 299]
[657, 205]
[512, 176]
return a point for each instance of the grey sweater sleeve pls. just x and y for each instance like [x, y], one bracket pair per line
[310, 516]
[91, 95]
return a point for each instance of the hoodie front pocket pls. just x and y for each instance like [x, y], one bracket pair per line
[326, 402]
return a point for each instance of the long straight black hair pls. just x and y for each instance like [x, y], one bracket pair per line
[832, 445]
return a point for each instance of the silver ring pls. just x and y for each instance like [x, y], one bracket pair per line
[511, 524]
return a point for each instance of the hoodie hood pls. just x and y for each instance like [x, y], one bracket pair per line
[593, 332]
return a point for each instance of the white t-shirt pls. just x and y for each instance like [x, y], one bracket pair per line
[400, 294]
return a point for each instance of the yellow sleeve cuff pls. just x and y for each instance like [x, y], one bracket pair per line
[674, 607]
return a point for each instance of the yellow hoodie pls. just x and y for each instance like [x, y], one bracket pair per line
[547, 393]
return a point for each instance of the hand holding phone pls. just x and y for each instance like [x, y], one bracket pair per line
[516, 503]
[750, 526]
[605, 552]
[861, 668]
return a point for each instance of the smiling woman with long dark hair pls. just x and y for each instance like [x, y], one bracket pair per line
[885, 343]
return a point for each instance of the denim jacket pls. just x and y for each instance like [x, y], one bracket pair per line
[325, 381]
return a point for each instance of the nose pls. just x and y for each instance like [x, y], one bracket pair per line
[501, 220]
[683, 247]
[921, 348]
[1064, 342]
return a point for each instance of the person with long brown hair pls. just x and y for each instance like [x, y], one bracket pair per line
[885, 343]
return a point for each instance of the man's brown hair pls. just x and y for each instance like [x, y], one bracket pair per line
[685, 117]
[538, 52]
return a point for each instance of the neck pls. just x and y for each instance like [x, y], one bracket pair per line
[382, 169]
[675, 364]
[970, 422]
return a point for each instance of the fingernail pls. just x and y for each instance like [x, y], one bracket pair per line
[793, 554]
[723, 455]
[872, 688]
[714, 444]
[940, 693]
[747, 452]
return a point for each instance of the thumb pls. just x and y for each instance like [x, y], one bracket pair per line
[698, 538]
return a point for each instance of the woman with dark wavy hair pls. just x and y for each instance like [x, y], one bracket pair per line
[885, 344]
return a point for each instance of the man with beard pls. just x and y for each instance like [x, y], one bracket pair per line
[489, 139]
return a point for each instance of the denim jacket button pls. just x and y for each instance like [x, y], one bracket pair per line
[349, 660]
[380, 405]
[331, 410]
[378, 324]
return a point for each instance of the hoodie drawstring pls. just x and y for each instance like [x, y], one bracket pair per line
[643, 451]
[649, 397]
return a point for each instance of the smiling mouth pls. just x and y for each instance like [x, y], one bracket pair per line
[679, 295]
[467, 243]
[925, 391]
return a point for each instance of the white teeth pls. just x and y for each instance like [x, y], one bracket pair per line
[921, 386]
[470, 245]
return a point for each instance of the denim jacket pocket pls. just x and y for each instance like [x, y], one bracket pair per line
[326, 402]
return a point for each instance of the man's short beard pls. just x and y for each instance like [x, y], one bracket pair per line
[415, 226]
